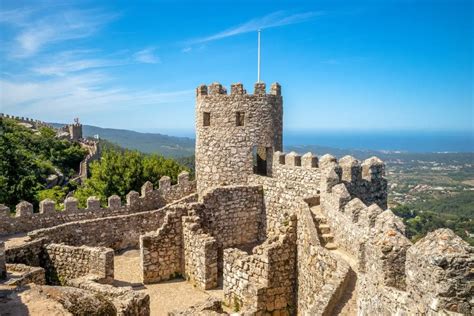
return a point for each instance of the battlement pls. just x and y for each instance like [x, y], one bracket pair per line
[237, 89]
[24, 219]
[231, 127]
[392, 270]
[33, 122]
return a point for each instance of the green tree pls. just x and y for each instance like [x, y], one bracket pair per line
[121, 171]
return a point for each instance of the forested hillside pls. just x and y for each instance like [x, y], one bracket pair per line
[150, 143]
[29, 157]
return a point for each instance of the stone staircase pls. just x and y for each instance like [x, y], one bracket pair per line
[324, 231]
[347, 306]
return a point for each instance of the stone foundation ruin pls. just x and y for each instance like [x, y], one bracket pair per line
[281, 234]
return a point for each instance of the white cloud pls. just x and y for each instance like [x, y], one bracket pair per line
[147, 56]
[35, 33]
[73, 61]
[186, 50]
[275, 19]
[84, 93]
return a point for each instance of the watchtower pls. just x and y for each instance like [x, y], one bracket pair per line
[75, 130]
[236, 134]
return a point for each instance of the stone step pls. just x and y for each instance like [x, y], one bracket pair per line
[324, 228]
[330, 246]
[327, 238]
[320, 219]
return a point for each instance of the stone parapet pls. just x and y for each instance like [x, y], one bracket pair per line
[25, 220]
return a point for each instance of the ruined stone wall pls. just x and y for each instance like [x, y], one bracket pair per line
[265, 280]
[3, 269]
[321, 276]
[63, 262]
[192, 236]
[116, 232]
[228, 127]
[25, 220]
[126, 300]
[161, 250]
[24, 275]
[28, 253]
[200, 254]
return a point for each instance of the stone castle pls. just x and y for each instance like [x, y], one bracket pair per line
[281, 234]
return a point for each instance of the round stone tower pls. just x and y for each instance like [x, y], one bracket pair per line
[236, 133]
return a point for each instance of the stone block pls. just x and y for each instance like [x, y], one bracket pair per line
[24, 209]
[183, 178]
[293, 159]
[114, 202]
[71, 204]
[275, 89]
[309, 160]
[93, 203]
[47, 206]
[4, 211]
[259, 88]
[146, 188]
[165, 183]
[237, 89]
[373, 169]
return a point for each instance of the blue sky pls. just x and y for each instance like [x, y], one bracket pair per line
[343, 65]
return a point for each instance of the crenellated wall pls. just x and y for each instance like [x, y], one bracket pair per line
[395, 276]
[35, 123]
[116, 232]
[24, 219]
[229, 127]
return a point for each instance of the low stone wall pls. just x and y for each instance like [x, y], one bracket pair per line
[117, 232]
[25, 220]
[22, 274]
[125, 299]
[28, 253]
[263, 281]
[64, 263]
[321, 277]
[3, 269]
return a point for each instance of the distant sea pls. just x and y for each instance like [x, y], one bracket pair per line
[384, 140]
[405, 141]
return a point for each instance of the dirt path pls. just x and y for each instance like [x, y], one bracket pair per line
[165, 296]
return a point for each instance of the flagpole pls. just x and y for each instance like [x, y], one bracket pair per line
[258, 66]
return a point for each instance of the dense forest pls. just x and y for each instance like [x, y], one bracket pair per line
[29, 157]
[455, 212]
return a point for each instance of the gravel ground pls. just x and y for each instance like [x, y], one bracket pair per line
[165, 296]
